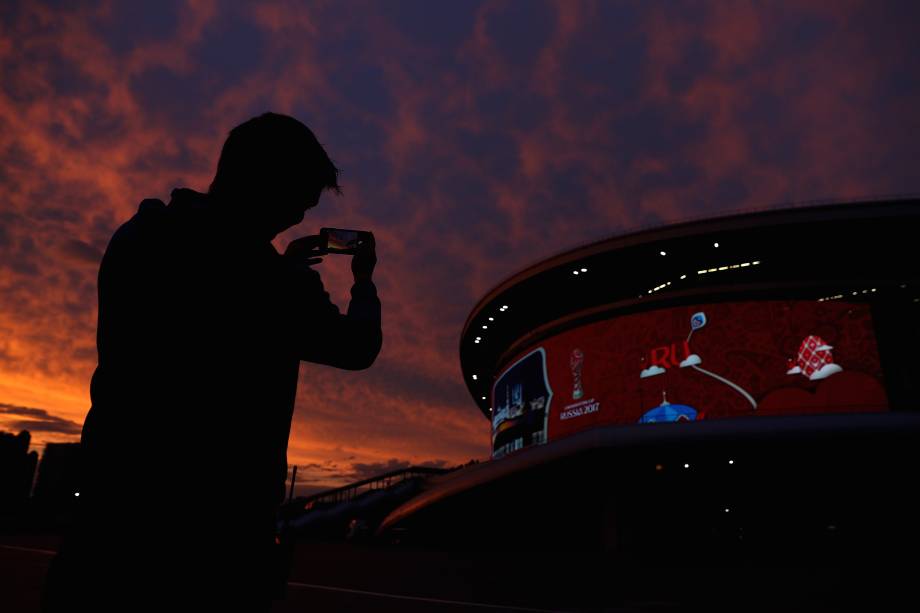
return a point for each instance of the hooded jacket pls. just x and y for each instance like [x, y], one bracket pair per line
[199, 341]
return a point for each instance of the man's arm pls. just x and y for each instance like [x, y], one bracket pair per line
[324, 335]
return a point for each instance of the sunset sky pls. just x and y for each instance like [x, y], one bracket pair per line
[475, 138]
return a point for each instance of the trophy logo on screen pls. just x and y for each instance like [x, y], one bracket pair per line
[576, 363]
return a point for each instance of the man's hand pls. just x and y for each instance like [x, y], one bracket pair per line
[364, 260]
[305, 250]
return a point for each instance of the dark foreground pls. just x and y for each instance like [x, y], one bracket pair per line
[347, 577]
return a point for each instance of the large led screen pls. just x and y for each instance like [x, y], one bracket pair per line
[687, 364]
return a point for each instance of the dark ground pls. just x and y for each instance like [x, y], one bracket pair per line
[348, 577]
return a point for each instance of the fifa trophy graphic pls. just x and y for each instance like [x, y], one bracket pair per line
[576, 362]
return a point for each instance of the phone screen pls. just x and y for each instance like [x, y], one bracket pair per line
[342, 241]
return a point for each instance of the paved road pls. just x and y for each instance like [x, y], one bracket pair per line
[24, 561]
[343, 577]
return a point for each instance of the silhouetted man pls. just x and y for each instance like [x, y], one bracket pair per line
[202, 326]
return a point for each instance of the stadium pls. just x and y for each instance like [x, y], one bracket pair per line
[705, 394]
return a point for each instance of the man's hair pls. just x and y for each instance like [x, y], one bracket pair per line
[269, 148]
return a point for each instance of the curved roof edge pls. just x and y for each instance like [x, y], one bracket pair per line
[734, 220]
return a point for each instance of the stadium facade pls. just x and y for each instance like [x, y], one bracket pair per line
[777, 313]
[749, 379]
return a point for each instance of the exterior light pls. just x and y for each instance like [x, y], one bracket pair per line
[574, 272]
[483, 397]
[683, 276]
[731, 461]
[476, 341]
[475, 377]
[504, 307]
[484, 327]
[584, 270]
[716, 245]
[686, 466]
[743, 264]
[491, 319]
[727, 510]
[77, 494]
[663, 253]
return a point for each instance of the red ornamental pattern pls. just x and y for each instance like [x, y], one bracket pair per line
[813, 355]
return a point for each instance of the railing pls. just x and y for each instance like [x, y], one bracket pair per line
[380, 482]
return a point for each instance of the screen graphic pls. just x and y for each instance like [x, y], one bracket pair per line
[687, 364]
[521, 399]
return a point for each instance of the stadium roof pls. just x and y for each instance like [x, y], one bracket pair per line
[853, 250]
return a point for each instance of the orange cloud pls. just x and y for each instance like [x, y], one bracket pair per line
[474, 140]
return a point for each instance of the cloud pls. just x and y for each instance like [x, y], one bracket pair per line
[81, 251]
[35, 420]
[475, 139]
[651, 371]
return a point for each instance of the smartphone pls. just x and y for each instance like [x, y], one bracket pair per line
[337, 240]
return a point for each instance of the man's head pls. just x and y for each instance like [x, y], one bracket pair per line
[271, 170]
